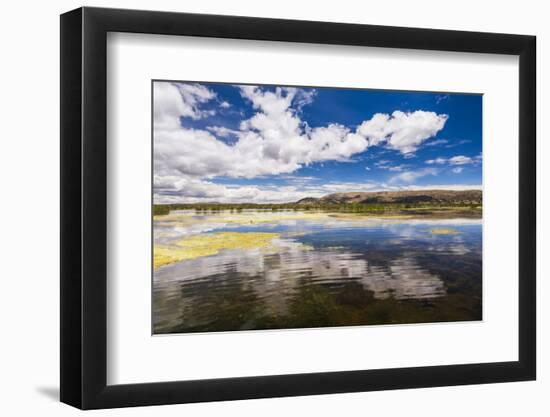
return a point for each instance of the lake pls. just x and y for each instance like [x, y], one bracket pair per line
[254, 270]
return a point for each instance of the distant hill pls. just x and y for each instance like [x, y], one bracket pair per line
[399, 197]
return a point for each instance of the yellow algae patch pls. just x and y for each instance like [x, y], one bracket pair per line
[188, 219]
[164, 256]
[209, 244]
[444, 231]
[204, 245]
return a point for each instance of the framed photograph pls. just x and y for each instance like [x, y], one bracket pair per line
[257, 208]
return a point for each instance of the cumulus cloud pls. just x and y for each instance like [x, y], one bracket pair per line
[402, 131]
[175, 100]
[273, 141]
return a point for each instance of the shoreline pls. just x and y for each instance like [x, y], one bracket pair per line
[401, 213]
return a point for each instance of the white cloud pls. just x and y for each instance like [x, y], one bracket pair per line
[175, 100]
[305, 97]
[410, 176]
[176, 189]
[385, 164]
[458, 170]
[460, 160]
[340, 187]
[455, 144]
[225, 105]
[439, 161]
[269, 102]
[437, 142]
[449, 187]
[192, 190]
[456, 160]
[401, 131]
[273, 141]
[222, 131]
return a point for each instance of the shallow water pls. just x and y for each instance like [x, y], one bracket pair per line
[318, 270]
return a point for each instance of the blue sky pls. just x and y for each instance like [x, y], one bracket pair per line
[236, 143]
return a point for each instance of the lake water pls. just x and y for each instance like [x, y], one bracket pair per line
[226, 271]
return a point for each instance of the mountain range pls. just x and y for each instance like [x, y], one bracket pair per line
[399, 197]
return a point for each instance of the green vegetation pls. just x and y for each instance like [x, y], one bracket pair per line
[366, 208]
[159, 209]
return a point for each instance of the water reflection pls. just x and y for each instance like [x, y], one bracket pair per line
[320, 272]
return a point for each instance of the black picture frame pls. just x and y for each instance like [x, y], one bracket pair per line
[84, 207]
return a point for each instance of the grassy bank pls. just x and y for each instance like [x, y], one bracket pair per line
[418, 209]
